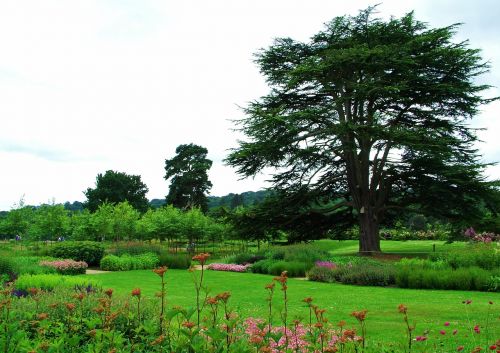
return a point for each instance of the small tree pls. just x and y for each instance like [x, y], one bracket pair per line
[189, 179]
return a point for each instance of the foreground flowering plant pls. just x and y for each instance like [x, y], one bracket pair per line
[67, 267]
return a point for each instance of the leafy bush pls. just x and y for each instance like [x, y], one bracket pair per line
[472, 278]
[275, 267]
[321, 274]
[175, 261]
[244, 258]
[7, 267]
[366, 274]
[89, 251]
[129, 262]
[262, 266]
[51, 281]
[135, 248]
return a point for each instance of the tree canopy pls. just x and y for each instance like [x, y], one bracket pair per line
[189, 179]
[115, 187]
[373, 114]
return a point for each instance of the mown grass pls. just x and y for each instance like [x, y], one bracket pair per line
[407, 248]
[429, 309]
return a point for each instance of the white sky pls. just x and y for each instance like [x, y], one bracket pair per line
[92, 85]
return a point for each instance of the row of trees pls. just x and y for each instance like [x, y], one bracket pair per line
[114, 222]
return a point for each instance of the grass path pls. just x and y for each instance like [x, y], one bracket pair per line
[428, 308]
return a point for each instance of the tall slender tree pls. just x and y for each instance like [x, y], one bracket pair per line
[373, 114]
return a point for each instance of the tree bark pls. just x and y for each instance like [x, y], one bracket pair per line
[369, 240]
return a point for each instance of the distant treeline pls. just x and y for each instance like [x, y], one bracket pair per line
[230, 201]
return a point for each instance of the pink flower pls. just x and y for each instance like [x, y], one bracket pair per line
[326, 264]
[420, 338]
[447, 323]
[477, 329]
[228, 267]
[443, 332]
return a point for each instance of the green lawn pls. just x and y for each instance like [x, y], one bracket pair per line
[428, 308]
[408, 247]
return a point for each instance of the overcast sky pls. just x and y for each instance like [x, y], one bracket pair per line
[92, 85]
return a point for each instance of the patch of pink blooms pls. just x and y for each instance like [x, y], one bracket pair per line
[326, 264]
[66, 265]
[228, 267]
[296, 337]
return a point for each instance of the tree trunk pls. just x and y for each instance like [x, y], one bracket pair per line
[369, 241]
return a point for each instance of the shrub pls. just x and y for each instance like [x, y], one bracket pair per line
[7, 268]
[129, 262]
[262, 266]
[175, 261]
[321, 274]
[51, 281]
[88, 251]
[472, 278]
[135, 248]
[366, 274]
[245, 258]
[66, 267]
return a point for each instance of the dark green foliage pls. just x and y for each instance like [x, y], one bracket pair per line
[88, 251]
[189, 179]
[175, 261]
[374, 115]
[299, 252]
[76, 206]
[245, 258]
[231, 200]
[127, 262]
[135, 248]
[7, 267]
[276, 267]
[115, 187]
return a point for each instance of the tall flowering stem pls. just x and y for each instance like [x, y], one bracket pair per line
[282, 280]
[161, 272]
[198, 284]
[270, 291]
[361, 316]
[409, 329]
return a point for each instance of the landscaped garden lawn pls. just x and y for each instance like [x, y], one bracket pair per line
[429, 309]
